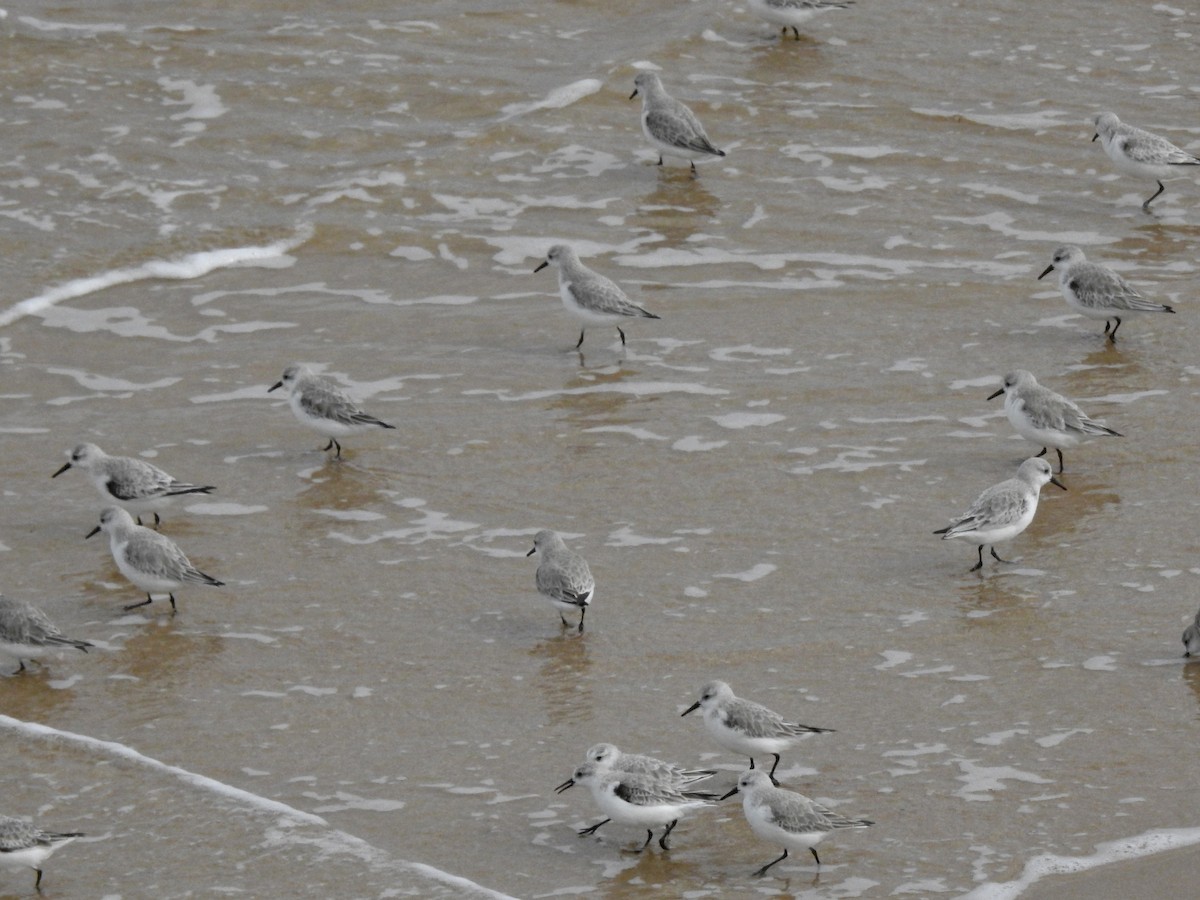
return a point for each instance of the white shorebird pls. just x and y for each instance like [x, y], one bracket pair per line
[152, 561]
[27, 633]
[670, 127]
[745, 727]
[25, 846]
[1004, 510]
[1136, 151]
[133, 483]
[593, 299]
[1097, 291]
[1191, 638]
[607, 758]
[324, 407]
[563, 576]
[1045, 417]
[629, 798]
[787, 818]
[791, 13]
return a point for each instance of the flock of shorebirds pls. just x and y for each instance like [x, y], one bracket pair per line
[631, 788]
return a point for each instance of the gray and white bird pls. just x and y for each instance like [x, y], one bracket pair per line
[1142, 153]
[1097, 291]
[27, 633]
[630, 798]
[607, 758]
[1191, 638]
[792, 13]
[1045, 417]
[592, 298]
[1004, 510]
[670, 127]
[745, 727]
[152, 561]
[563, 576]
[324, 407]
[787, 818]
[134, 484]
[24, 845]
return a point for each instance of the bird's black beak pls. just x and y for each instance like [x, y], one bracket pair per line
[691, 708]
[569, 783]
[995, 395]
[634, 94]
[66, 466]
[95, 530]
[730, 794]
[532, 551]
[1049, 269]
[1094, 136]
[277, 384]
[542, 266]
[1059, 483]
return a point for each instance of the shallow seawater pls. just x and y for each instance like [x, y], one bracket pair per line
[377, 703]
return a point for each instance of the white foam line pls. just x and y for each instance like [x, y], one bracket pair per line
[194, 265]
[346, 843]
[1159, 840]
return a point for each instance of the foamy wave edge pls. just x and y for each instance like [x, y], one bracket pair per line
[194, 265]
[337, 842]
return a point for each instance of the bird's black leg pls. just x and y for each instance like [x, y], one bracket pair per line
[813, 851]
[622, 334]
[1060, 460]
[995, 555]
[795, 31]
[694, 167]
[37, 882]
[1043, 453]
[580, 342]
[978, 565]
[145, 602]
[660, 159]
[157, 520]
[1146, 205]
[771, 774]
[172, 596]
[582, 613]
[592, 829]
[662, 841]
[649, 838]
[1113, 336]
[763, 871]
[139, 520]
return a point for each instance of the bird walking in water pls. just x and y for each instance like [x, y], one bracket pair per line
[1136, 151]
[592, 298]
[563, 576]
[27, 633]
[791, 13]
[24, 845]
[670, 127]
[324, 407]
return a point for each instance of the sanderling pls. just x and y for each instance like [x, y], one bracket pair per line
[669, 126]
[24, 845]
[1191, 638]
[608, 758]
[787, 818]
[1136, 151]
[563, 576]
[790, 13]
[323, 406]
[27, 633]
[1097, 291]
[589, 295]
[629, 798]
[1044, 417]
[1004, 510]
[745, 727]
[133, 483]
[152, 561]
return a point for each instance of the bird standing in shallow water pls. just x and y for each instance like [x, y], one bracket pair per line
[1004, 510]
[27, 633]
[321, 405]
[152, 561]
[791, 13]
[133, 483]
[787, 818]
[1097, 291]
[24, 845]
[563, 576]
[745, 727]
[669, 126]
[1136, 151]
[593, 299]
[1044, 417]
